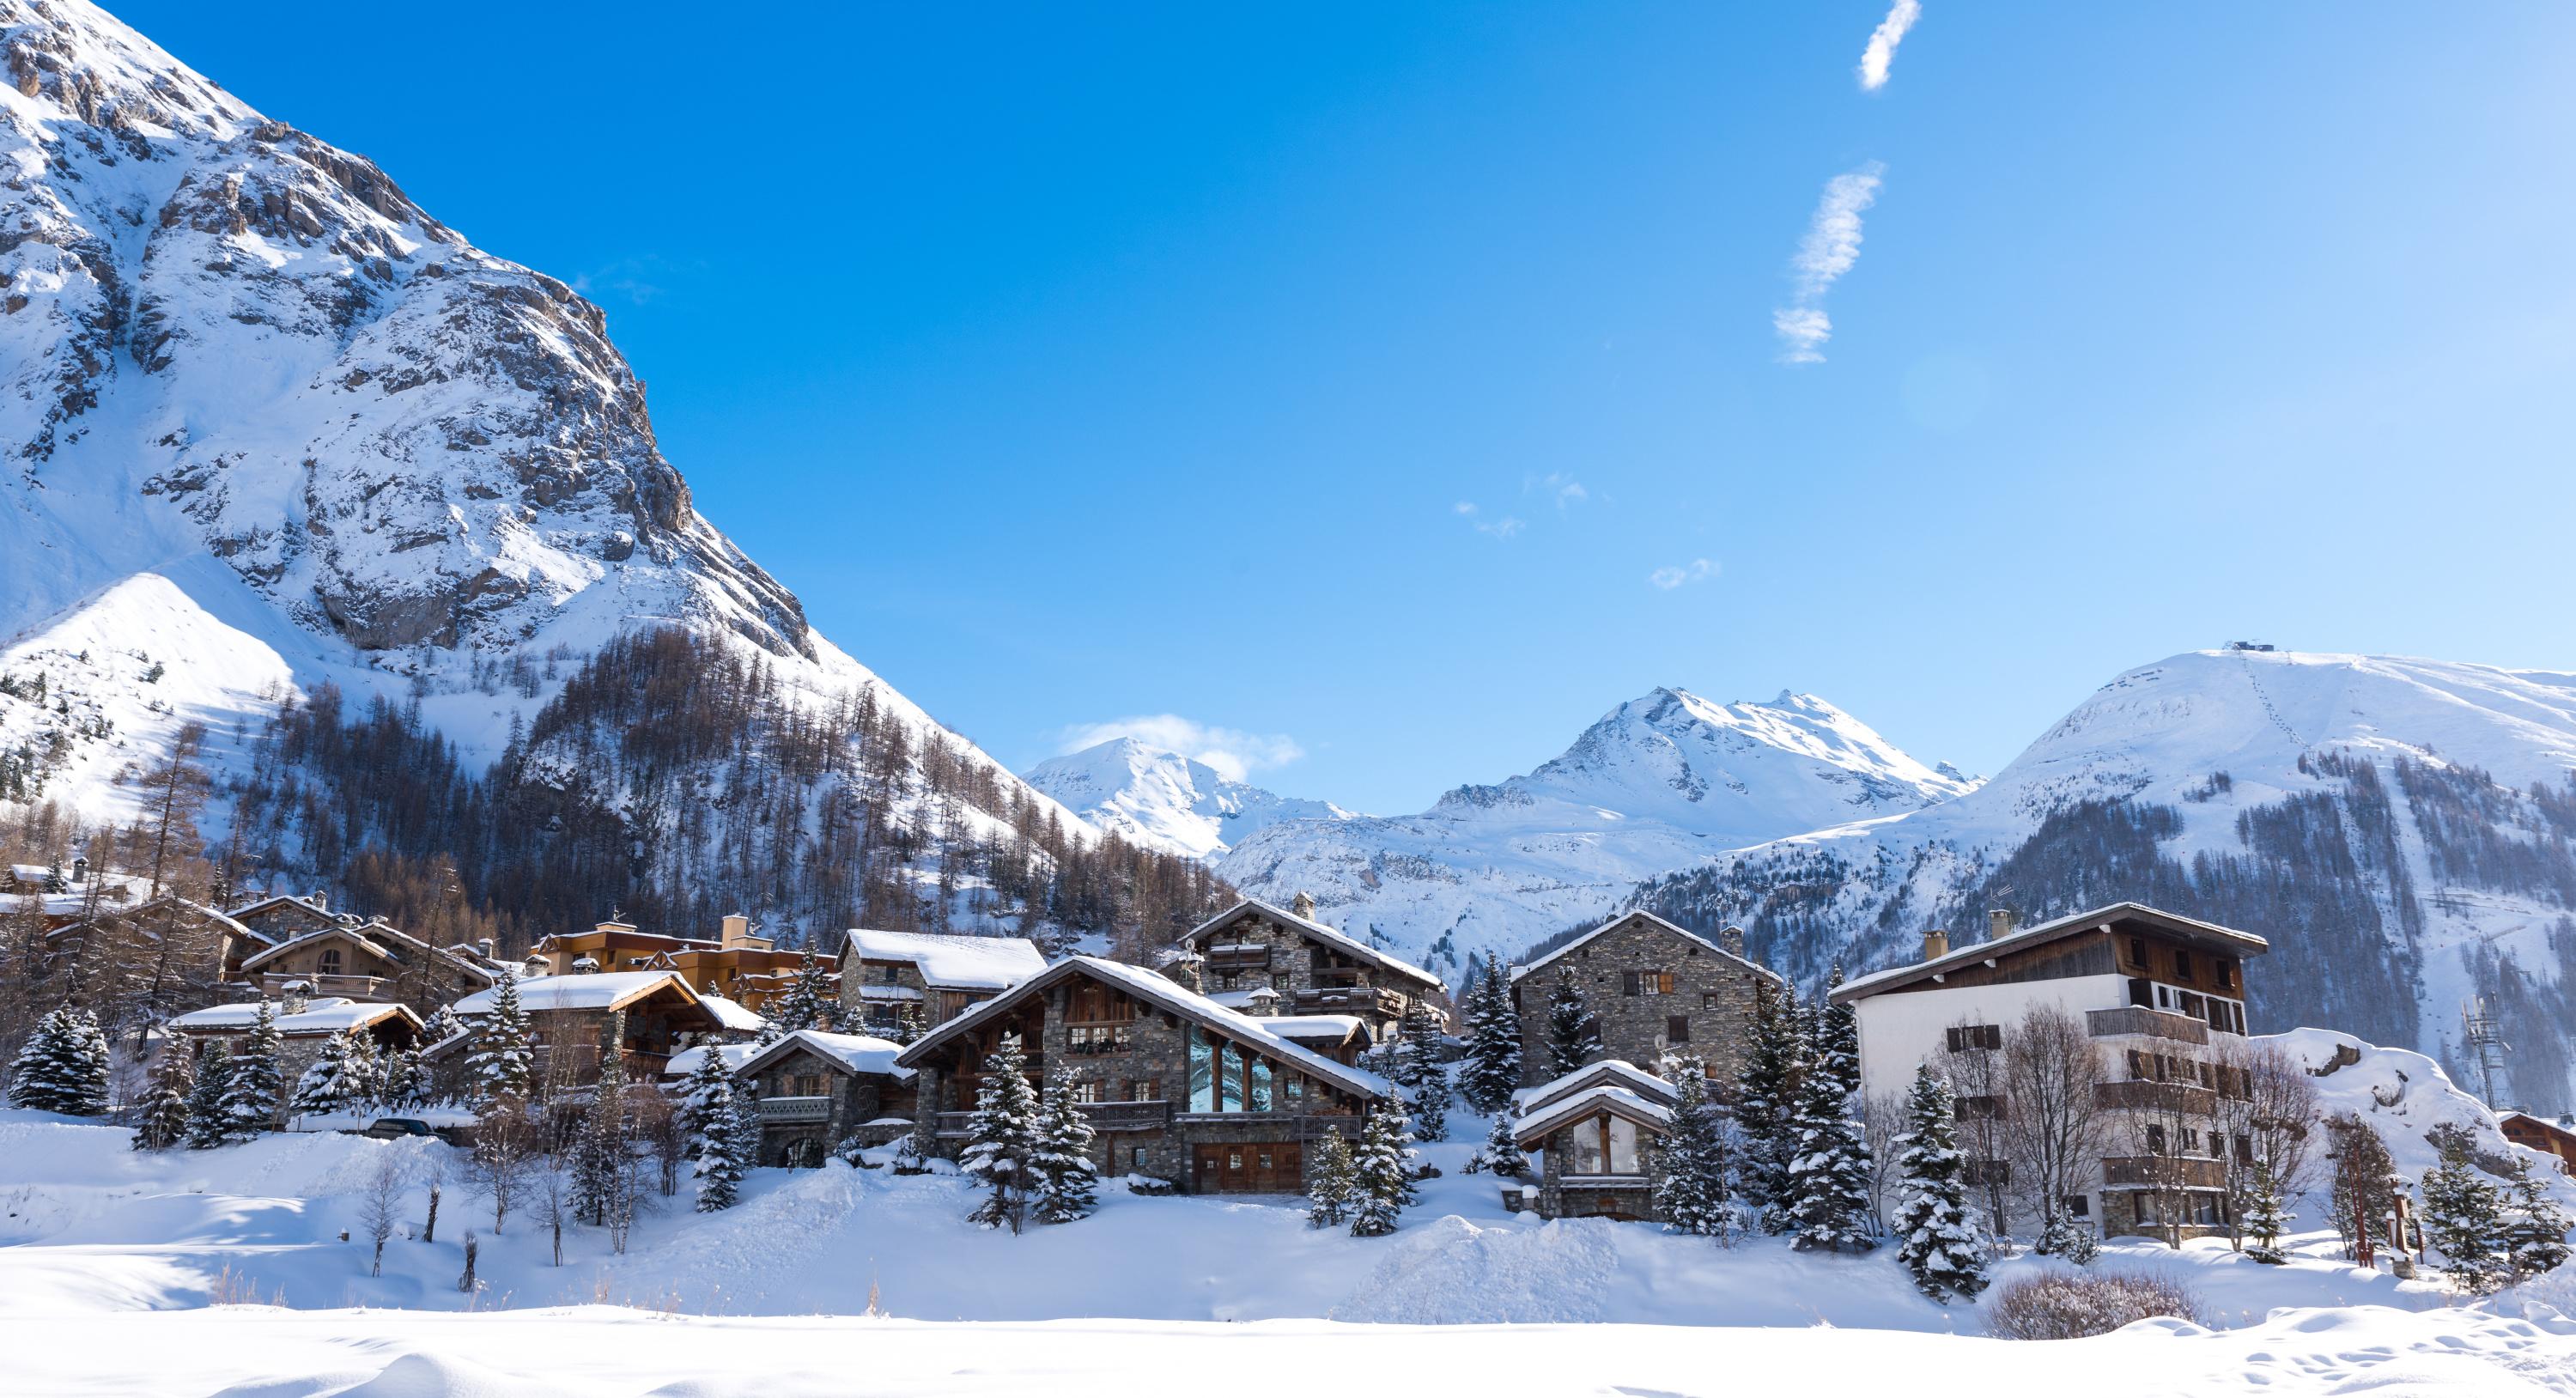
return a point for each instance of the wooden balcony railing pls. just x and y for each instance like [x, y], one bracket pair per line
[274, 984]
[795, 1108]
[2154, 1024]
[2181, 1171]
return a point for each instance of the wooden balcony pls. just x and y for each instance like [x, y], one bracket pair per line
[1348, 999]
[795, 1109]
[2182, 1171]
[1127, 1116]
[2139, 1020]
[1238, 956]
[2184, 1099]
[273, 984]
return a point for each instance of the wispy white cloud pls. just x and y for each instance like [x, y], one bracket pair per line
[1883, 40]
[1505, 528]
[1697, 570]
[1830, 248]
[1231, 751]
[1565, 490]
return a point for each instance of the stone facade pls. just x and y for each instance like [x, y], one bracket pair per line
[1654, 986]
[1312, 968]
[809, 1103]
[368, 961]
[879, 991]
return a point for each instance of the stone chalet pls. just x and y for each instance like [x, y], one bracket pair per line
[1656, 987]
[813, 1090]
[122, 931]
[940, 972]
[302, 1027]
[372, 960]
[281, 916]
[1307, 967]
[1178, 1086]
[2161, 995]
[1588, 1136]
[569, 1017]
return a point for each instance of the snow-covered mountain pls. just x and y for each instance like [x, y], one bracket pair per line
[2404, 830]
[269, 424]
[1160, 798]
[1655, 784]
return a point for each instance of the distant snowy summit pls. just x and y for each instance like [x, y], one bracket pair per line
[1657, 783]
[1160, 798]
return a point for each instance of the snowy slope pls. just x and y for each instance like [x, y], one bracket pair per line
[1656, 783]
[1158, 797]
[271, 423]
[2376, 816]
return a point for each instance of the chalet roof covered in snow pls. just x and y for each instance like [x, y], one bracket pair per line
[1609, 1072]
[276, 901]
[1618, 1101]
[384, 941]
[1165, 994]
[686, 1061]
[948, 960]
[732, 1014]
[138, 916]
[1332, 1029]
[321, 1016]
[608, 990]
[2192, 931]
[1332, 937]
[857, 1053]
[1659, 924]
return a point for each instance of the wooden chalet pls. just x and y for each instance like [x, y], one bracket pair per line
[608, 946]
[303, 1026]
[1589, 1135]
[1309, 967]
[936, 975]
[2553, 1138]
[2161, 994]
[812, 1091]
[569, 1019]
[741, 966]
[1178, 1086]
[372, 960]
[281, 916]
[1655, 986]
[208, 948]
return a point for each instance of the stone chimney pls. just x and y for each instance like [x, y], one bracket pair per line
[1731, 940]
[737, 931]
[320, 900]
[484, 945]
[1999, 924]
[80, 869]
[1936, 944]
[295, 996]
[1303, 905]
[1263, 1000]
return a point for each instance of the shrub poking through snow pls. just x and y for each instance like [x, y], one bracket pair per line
[63, 1066]
[1383, 1169]
[1573, 1031]
[2065, 1236]
[1332, 1183]
[165, 1108]
[1501, 1154]
[1066, 1184]
[1002, 1139]
[2056, 1305]
[1492, 1067]
[337, 1080]
[1935, 1240]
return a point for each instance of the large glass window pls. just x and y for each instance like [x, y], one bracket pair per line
[1229, 1077]
[1587, 1152]
[1257, 1097]
[1623, 1146]
[1202, 1072]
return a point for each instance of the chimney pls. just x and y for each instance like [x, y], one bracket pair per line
[1936, 944]
[484, 945]
[80, 869]
[295, 997]
[737, 931]
[1731, 940]
[1999, 924]
[320, 900]
[1304, 905]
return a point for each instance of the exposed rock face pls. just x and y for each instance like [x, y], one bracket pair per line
[393, 435]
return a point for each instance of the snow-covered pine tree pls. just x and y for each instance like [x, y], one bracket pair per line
[1502, 1154]
[1419, 1071]
[206, 1098]
[1934, 1237]
[1332, 1183]
[370, 1070]
[1065, 1180]
[1573, 1031]
[2267, 1219]
[1491, 1070]
[502, 1063]
[2536, 1223]
[698, 1093]
[407, 1081]
[1766, 1098]
[1694, 1184]
[601, 1155]
[444, 1024]
[63, 1066]
[2464, 1218]
[255, 1079]
[334, 1081]
[164, 1122]
[718, 1152]
[1001, 1139]
[908, 1025]
[1383, 1171]
[806, 1002]
[1829, 1175]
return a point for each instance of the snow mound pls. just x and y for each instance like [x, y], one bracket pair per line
[413, 1375]
[1451, 1272]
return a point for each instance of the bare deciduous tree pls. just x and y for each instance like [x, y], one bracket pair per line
[507, 1146]
[2267, 1112]
[1882, 1120]
[380, 1207]
[1977, 1084]
[2053, 1118]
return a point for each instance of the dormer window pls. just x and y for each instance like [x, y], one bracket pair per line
[328, 963]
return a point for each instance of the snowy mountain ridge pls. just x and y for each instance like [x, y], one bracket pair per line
[1656, 783]
[1161, 798]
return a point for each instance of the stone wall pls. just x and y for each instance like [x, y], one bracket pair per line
[1712, 993]
[1290, 970]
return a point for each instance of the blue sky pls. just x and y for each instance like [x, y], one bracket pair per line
[1075, 366]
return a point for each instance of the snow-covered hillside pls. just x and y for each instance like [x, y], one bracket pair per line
[272, 424]
[1160, 798]
[1656, 783]
[2403, 830]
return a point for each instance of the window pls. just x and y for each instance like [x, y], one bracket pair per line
[1623, 1146]
[1982, 1173]
[2155, 1140]
[328, 963]
[2182, 965]
[885, 975]
[2141, 993]
[2244, 1150]
[1202, 1071]
[1292, 1092]
[1677, 1029]
[2079, 1206]
[2190, 1141]
[2138, 952]
[1257, 1092]
[1710, 1000]
[1646, 982]
[1229, 1077]
[1228, 981]
[1963, 1037]
[2223, 974]
[1136, 1160]
[805, 1085]
[1097, 1038]
[1986, 1108]
[1090, 1092]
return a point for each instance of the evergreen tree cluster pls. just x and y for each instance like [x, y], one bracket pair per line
[63, 1066]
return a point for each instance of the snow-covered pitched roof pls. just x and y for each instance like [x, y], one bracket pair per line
[686, 1061]
[136, 914]
[858, 1053]
[950, 960]
[608, 990]
[322, 1016]
[1661, 925]
[1160, 991]
[370, 937]
[2190, 929]
[732, 1014]
[1616, 1100]
[260, 905]
[1609, 1072]
[1330, 1028]
[355, 935]
[1333, 937]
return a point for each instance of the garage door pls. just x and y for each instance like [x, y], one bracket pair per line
[1273, 1167]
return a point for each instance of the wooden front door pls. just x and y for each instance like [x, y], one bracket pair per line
[1265, 1167]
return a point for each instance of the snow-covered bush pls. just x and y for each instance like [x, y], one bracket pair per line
[2056, 1305]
